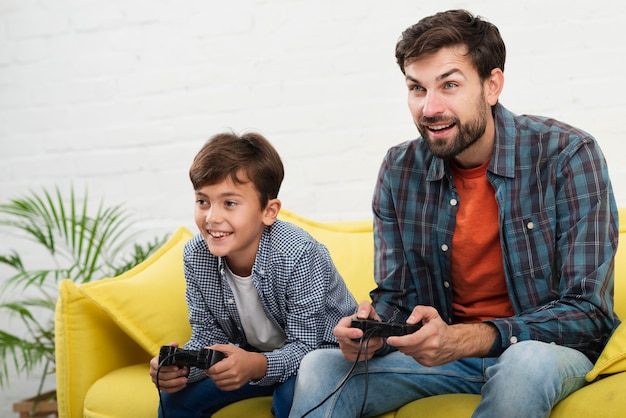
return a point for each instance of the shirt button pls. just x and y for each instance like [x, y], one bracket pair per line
[230, 301]
[513, 339]
[530, 225]
[453, 202]
[444, 247]
[446, 284]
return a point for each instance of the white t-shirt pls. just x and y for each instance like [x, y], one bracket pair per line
[260, 331]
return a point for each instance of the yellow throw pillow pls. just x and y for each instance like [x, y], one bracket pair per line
[148, 301]
[613, 357]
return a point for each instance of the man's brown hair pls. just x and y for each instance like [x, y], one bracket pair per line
[485, 47]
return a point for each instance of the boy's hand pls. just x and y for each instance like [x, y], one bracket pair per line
[348, 337]
[237, 368]
[171, 378]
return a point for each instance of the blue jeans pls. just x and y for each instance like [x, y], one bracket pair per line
[527, 380]
[203, 399]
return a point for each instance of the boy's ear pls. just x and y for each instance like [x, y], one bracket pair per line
[270, 213]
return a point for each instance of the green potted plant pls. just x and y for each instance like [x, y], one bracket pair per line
[71, 242]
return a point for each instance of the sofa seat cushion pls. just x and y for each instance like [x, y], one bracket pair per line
[125, 392]
[603, 398]
[129, 392]
[254, 407]
[605, 395]
[442, 406]
[259, 408]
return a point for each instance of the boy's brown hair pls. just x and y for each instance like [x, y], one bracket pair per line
[230, 155]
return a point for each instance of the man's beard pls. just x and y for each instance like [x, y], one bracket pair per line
[468, 133]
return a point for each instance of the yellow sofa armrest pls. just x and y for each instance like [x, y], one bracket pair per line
[88, 345]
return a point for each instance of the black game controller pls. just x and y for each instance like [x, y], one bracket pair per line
[202, 359]
[373, 328]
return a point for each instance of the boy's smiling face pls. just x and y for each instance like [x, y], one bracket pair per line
[231, 220]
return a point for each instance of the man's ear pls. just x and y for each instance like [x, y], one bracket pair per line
[494, 86]
[270, 213]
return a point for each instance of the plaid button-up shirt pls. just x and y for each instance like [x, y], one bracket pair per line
[558, 233]
[299, 287]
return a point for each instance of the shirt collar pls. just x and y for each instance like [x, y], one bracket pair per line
[262, 259]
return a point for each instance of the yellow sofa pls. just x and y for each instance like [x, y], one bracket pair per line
[107, 331]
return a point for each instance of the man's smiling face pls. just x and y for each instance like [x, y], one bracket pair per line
[447, 100]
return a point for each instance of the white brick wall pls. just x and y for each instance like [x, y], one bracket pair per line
[119, 95]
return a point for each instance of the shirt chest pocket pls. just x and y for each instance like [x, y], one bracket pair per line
[530, 242]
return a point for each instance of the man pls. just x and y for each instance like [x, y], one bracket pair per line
[495, 232]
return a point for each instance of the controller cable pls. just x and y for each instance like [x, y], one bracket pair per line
[161, 364]
[363, 346]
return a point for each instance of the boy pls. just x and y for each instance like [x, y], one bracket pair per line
[261, 291]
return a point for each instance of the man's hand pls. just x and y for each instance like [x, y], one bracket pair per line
[237, 368]
[348, 337]
[171, 378]
[438, 343]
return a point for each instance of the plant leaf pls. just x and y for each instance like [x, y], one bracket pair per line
[77, 244]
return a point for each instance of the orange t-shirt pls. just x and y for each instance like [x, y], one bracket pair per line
[478, 284]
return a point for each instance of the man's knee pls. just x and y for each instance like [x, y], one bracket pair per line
[321, 368]
[530, 358]
[311, 361]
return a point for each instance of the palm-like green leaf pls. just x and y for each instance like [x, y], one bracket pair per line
[26, 354]
[77, 244]
[68, 234]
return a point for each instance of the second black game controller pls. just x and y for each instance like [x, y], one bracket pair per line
[373, 328]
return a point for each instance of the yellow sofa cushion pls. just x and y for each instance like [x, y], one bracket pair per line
[613, 357]
[619, 283]
[125, 392]
[351, 246]
[260, 408]
[603, 398]
[443, 406]
[148, 301]
[135, 396]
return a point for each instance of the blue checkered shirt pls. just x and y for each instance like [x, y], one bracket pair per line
[558, 232]
[299, 288]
